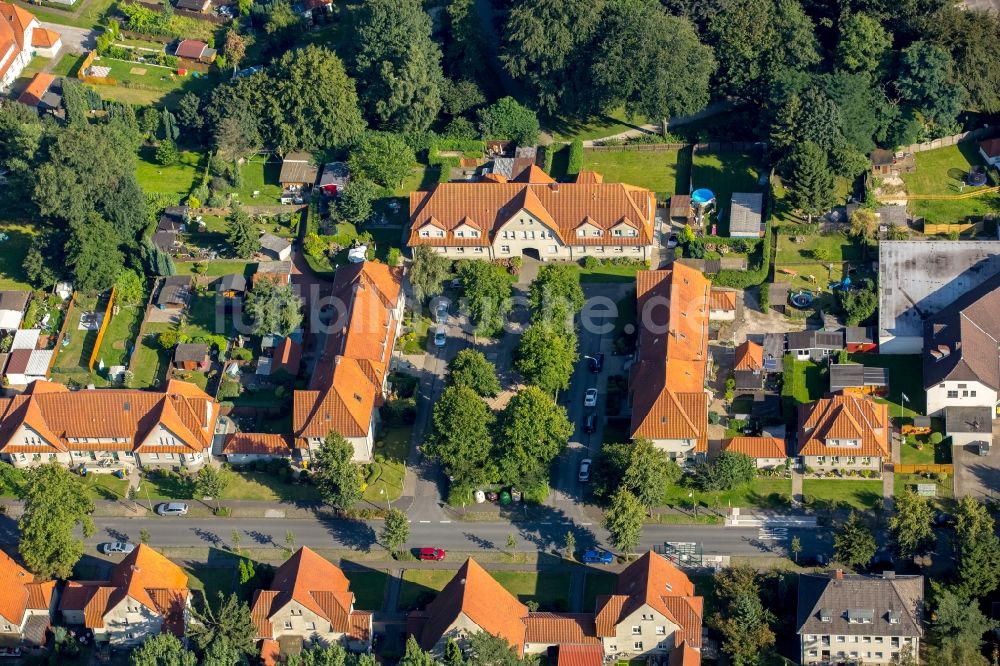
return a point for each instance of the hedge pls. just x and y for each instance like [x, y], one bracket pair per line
[548, 155]
[575, 158]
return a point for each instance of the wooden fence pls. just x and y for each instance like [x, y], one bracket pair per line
[954, 139]
[62, 332]
[108, 314]
[923, 469]
[964, 227]
[714, 147]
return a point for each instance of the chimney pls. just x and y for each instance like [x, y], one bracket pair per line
[838, 574]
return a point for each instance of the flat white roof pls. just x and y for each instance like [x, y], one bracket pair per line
[26, 338]
[9, 320]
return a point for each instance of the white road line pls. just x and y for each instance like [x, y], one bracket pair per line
[425, 521]
[444, 521]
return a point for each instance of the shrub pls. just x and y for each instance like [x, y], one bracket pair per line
[936, 438]
[575, 158]
[548, 155]
[395, 257]
[459, 495]
[591, 262]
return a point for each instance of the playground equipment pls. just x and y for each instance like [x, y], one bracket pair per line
[844, 284]
[802, 298]
[976, 177]
[702, 201]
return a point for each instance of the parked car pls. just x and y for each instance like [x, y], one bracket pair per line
[436, 554]
[10, 652]
[440, 336]
[596, 363]
[672, 240]
[597, 556]
[584, 475]
[590, 398]
[172, 509]
[590, 423]
[441, 313]
[116, 547]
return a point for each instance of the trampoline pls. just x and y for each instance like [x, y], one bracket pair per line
[975, 178]
[802, 299]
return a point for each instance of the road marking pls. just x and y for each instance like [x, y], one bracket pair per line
[425, 521]
[444, 521]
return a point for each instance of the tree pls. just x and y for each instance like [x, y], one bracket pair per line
[381, 157]
[337, 476]
[166, 153]
[546, 357]
[55, 503]
[313, 103]
[241, 233]
[413, 655]
[912, 525]
[926, 81]
[963, 33]
[545, 44]
[485, 648]
[453, 654]
[649, 473]
[399, 63]
[463, 95]
[796, 547]
[811, 186]
[275, 309]
[487, 291]
[229, 629]
[428, 272]
[859, 304]
[556, 294]
[854, 544]
[354, 204]
[958, 626]
[624, 520]
[211, 482]
[94, 255]
[234, 48]
[745, 630]
[864, 226]
[730, 470]
[395, 531]
[320, 655]
[130, 287]
[281, 25]
[507, 119]
[471, 368]
[462, 440]
[650, 62]
[569, 545]
[162, 650]
[977, 548]
[863, 43]
[533, 430]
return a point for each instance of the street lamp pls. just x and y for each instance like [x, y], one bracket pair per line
[381, 491]
[694, 503]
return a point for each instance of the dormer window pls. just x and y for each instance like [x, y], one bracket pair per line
[581, 233]
[617, 232]
[825, 615]
[598, 232]
[893, 617]
[860, 616]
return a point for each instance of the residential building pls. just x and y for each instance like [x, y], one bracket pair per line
[870, 620]
[767, 452]
[241, 448]
[310, 601]
[967, 426]
[191, 356]
[349, 381]
[287, 357]
[814, 345]
[336, 175]
[961, 362]
[279, 272]
[12, 307]
[745, 215]
[722, 304]
[536, 216]
[990, 151]
[21, 38]
[146, 595]
[667, 383]
[26, 605]
[857, 378]
[844, 432]
[108, 429]
[192, 49]
[44, 92]
[275, 247]
[918, 279]
[748, 367]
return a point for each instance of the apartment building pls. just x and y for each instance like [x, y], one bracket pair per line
[26, 605]
[844, 431]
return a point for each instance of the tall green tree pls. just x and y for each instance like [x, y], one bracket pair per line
[399, 63]
[508, 119]
[242, 233]
[962, 33]
[958, 628]
[546, 356]
[94, 255]
[624, 521]
[274, 309]
[337, 476]
[533, 430]
[488, 292]
[854, 544]
[649, 473]
[463, 51]
[926, 81]
[863, 44]
[395, 531]
[162, 650]
[977, 547]
[227, 626]
[428, 272]
[355, 203]
[471, 368]
[211, 482]
[556, 295]
[55, 504]
[130, 287]
[485, 648]
[381, 157]
[453, 654]
[745, 629]
[313, 104]
[810, 180]
[912, 526]
[462, 440]
[413, 655]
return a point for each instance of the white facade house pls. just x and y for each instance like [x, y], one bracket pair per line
[21, 38]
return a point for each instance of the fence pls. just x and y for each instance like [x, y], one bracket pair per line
[62, 333]
[923, 469]
[945, 141]
[108, 314]
[638, 147]
[964, 227]
[714, 147]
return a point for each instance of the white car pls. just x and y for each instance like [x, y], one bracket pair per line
[440, 337]
[590, 398]
[116, 547]
[584, 475]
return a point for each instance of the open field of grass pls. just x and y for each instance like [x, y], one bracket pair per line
[842, 493]
[175, 181]
[91, 14]
[906, 375]
[12, 251]
[151, 363]
[120, 334]
[608, 272]
[805, 381]
[942, 172]
[954, 211]
[724, 174]
[764, 492]
[597, 583]
[206, 316]
[260, 175]
[566, 129]
[243, 485]
[664, 172]
[217, 267]
[387, 479]
[368, 587]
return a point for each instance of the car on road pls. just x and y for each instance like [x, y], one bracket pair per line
[172, 509]
[441, 313]
[590, 398]
[584, 475]
[436, 554]
[597, 556]
[590, 423]
[116, 547]
[596, 363]
[672, 240]
[440, 336]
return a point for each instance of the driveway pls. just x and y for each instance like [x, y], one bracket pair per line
[977, 475]
[74, 40]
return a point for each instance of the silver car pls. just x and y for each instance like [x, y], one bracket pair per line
[116, 547]
[172, 509]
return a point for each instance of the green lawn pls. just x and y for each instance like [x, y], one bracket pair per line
[386, 481]
[765, 492]
[597, 583]
[955, 211]
[74, 356]
[420, 586]
[205, 316]
[608, 272]
[842, 493]
[945, 494]
[243, 485]
[664, 172]
[260, 175]
[104, 486]
[941, 171]
[12, 251]
[150, 367]
[724, 174]
[836, 246]
[368, 587]
[91, 13]
[210, 581]
[906, 375]
[175, 181]
[120, 334]
[566, 129]
[68, 64]
[414, 341]
[143, 74]
[551, 591]
[804, 381]
[216, 268]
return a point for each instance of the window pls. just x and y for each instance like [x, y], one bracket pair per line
[636, 249]
[599, 249]
[311, 626]
[288, 624]
[424, 233]
[619, 249]
[850, 460]
[460, 234]
[478, 250]
[661, 631]
[866, 461]
[439, 233]
[460, 250]
[597, 232]
[505, 249]
[647, 617]
[972, 394]
[840, 639]
[579, 248]
[636, 630]
[168, 456]
[617, 232]
[553, 249]
[637, 645]
[581, 232]
[952, 394]
[296, 611]
[962, 386]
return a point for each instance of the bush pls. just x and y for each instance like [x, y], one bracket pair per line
[399, 412]
[241, 354]
[459, 495]
[548, 155]
[591, 262]
[575, 158]
[536, 494]
[395, 257]
[936, 438]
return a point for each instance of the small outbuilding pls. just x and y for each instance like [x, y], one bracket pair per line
[990, 151]
[192, 49]
[335, 178]
[745, 216]
[275, 248]
[888, 163]
[968, 425]
[191, 356]
[298, 172]
[857, 378]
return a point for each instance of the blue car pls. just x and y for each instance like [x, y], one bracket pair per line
[596, 556]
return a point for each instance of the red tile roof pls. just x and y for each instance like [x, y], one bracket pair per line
[756, 447]
[723, 299]
[991, 147]
[684, 655]
[667, 382]
[32, 95]
[259, 443]
[20, 591]
[580, 655]
[560, 628]
[191, 48]
[287, 357]
[42, 38]
[749, 356]
[844, 417]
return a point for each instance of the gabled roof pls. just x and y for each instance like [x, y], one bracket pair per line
[257, 443]
[589, 177]
[474, 593]
[684, 655]
[669, 401]
[298, 167]
[961, 342]
[844, 417]
[191, 48]
[812, 339]
[20, 591]
[655, 582]
[534, 174]
[756, 447]
[43, 38]
[313, 582]
[580, 655]
[723, 299]
[749, 356]
[894, 604]
[32, 95]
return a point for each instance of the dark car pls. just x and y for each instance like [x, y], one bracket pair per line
[596, 363]
[597, 556]
[590, 423]
[436, 554]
